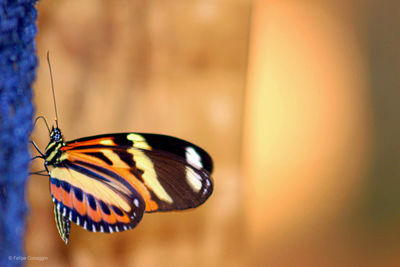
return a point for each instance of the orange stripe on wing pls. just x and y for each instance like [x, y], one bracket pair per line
[122, 219]
[151, 205]
[108, 218]
[79, 206]
[61, 195]
[56, 192]
[67, 200]
[86, 143]
[94, 214]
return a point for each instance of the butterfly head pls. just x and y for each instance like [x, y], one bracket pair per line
[55, 135]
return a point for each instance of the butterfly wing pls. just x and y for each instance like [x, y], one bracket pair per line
[167, 172]
[97, 201]
[104, 183]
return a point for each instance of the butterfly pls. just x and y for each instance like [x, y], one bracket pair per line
[105, 183]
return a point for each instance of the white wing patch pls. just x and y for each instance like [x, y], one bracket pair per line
[193, 179]
[138, 141]
[193, 157]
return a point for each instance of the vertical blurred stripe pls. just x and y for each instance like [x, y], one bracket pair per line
[306, 136]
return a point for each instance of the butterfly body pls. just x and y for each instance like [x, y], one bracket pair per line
[105, 183]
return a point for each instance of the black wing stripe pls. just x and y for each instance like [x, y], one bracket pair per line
[95, 171]
[128, 159]
[100, 156]
[85, 171]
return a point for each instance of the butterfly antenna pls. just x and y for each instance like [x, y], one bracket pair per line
[52, 87]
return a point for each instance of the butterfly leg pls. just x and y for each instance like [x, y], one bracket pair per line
[37, 157]
[31, 173]
[37, 148]
[40, 173]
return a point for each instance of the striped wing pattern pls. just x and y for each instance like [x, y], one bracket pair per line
[63, 225]
[105, 183]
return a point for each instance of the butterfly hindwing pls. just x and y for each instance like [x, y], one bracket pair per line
[91, 200]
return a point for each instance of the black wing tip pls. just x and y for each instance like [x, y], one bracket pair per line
[179, 147]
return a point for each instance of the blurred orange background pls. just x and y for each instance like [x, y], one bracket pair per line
[296, 101]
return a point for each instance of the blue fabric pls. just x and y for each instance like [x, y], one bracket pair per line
[17, 72]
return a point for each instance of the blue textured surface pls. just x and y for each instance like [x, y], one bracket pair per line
[17, 72]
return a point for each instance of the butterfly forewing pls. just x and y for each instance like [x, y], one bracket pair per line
[169, 173]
